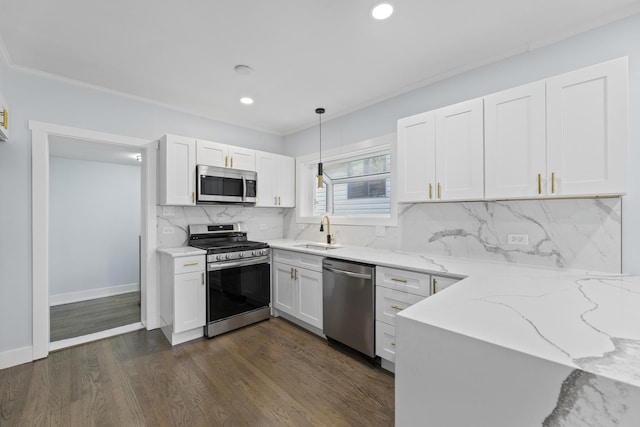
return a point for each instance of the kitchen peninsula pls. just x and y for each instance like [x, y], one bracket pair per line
[513, 345]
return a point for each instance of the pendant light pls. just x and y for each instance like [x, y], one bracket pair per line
[320, 112]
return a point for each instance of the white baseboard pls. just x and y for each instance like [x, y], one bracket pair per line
[16, 357]
[78, 296]
[70, 342]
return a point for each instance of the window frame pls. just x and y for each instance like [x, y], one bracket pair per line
[306, 167]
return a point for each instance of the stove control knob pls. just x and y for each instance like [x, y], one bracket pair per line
[219, 257]
[265, 251]
[241, 254]
[255, 253]
[228, 256]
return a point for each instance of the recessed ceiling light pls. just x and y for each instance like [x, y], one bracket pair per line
[382, 11]
[246, 100]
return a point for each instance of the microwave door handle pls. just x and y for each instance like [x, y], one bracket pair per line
[244, 189]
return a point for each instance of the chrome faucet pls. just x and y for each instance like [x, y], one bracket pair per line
[329, 235]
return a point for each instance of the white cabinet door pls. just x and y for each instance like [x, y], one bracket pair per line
[460, 151]
[416, 163]
[386, 341]
[267, 169]
[189, 301]
[284, 297]
[309, 285]
[515, 142]
[286, 176]
[177, 171]
[242, 158]
[587, 130]
[212, 153]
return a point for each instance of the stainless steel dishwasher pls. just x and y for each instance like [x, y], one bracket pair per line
[348, 310]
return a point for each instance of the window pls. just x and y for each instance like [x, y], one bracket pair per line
[356, 185]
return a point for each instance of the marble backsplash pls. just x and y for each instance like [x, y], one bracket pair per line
[569, 233]
[260, 223]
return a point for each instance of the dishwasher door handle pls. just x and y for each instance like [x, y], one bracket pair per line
[348, 273]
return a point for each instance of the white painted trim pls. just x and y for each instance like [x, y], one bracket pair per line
[57, 345]
[40, 225]
[4, 54]
[15, 357]
[89, 294]
[181, 337]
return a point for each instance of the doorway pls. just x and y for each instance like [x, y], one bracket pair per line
[41, 136]
[94, 229]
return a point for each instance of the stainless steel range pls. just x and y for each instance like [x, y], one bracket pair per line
[238, 276]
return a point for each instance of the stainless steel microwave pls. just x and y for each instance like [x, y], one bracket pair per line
[225, 185]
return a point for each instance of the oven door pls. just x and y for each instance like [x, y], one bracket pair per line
[237, 287]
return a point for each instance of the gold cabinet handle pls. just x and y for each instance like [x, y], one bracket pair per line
[226, 161]
[393, 279]
[5, 118]
[279, 201]
[193, 197]
[430, 191]
[539, 183]
[291, 274]
[393, 344]
[397, 307]
[553, 182]
[202, 278]
[439, 192]
[433, 286]
[295, 273]
[189, 264]
[232, 162]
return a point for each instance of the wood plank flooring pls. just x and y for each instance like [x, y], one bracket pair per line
[268, 374]
[86, 317]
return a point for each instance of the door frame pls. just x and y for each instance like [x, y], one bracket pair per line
[40, 133]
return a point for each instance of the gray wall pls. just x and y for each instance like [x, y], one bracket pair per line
[35, 98]
[99, 201]
[618, 39]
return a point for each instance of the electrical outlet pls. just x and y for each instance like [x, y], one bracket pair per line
[263, 227]
[518, 239]
[167, 211]
[380, 231]
[167, 230]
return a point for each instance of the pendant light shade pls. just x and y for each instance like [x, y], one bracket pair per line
[320, 112]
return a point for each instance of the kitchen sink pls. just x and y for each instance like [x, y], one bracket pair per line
[319, 246]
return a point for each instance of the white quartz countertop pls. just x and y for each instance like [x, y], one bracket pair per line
[585, 320]
[182, 251]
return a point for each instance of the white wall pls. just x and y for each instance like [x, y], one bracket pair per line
[618, 39]
[42, 99]
[94, 220]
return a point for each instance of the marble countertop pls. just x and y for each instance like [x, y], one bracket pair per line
[182, 251]
[581, 319]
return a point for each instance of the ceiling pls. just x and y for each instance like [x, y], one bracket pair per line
[81, 149]
[304, 53]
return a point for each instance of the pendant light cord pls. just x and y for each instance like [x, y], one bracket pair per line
[320, 126]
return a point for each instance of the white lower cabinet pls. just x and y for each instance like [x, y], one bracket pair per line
[297, 288]
[182, 297]
[396, 290]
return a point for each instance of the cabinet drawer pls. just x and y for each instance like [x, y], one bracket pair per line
[403, 280]
[439, 283]
[298, 259]
[386, 341]
[391, 301]
[189, 264]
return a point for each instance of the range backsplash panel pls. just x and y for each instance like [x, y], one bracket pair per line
[568, 233]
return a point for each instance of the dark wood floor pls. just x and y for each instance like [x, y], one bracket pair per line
[86, 317]
[268, 374]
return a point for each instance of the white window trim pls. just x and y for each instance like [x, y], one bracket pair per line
[304, 193]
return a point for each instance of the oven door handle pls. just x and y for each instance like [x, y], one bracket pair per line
[215, 266]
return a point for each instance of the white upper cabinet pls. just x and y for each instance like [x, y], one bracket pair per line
[459, 151]
[228, 156]
[587, 127]
[276, 180]
[515, 142]
[440, 154]
[416, 162]
[177, 171]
